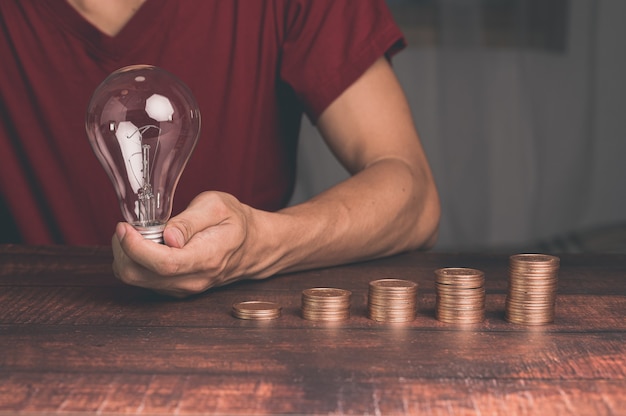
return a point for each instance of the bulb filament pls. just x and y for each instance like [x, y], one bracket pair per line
[140, 166]
[144, 194]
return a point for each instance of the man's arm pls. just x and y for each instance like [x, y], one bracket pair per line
[389, 205]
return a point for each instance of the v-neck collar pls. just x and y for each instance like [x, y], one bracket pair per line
[103, 46]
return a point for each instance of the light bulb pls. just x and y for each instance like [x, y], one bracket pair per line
[143, 124]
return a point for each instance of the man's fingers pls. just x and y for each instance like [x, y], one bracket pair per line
[199, 246]
[155, 257]
[204, 211]
[174, 237]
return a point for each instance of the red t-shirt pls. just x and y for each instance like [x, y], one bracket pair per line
[253, 66]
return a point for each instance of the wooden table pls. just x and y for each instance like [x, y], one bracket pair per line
[74, 339]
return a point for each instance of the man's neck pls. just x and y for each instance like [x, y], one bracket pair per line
[109, 16]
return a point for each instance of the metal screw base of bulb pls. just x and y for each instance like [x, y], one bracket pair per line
[153, 233]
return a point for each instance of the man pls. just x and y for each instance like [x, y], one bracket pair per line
[254, 68]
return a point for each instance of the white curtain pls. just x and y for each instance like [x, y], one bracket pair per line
[525, 135]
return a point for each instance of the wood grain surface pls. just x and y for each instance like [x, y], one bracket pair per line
[73, 339]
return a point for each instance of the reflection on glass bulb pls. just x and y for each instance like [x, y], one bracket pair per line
[143, 124]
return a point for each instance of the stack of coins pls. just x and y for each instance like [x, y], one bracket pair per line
[460, 295]
[533, 282]
[326, 304]
[392, 300]
[256, 310]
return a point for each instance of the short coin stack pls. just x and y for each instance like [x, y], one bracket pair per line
[256, 310]
[326, 304]
[392, 300]
[460, 295]
[533, 282]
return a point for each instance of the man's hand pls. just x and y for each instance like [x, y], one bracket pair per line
[203, 248]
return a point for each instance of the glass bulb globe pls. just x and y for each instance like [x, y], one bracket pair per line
[143, 124]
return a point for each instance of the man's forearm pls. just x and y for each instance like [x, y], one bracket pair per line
[386, 208]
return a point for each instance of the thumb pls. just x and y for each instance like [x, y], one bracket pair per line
[177, 232]
[182, 227]
[208, 209]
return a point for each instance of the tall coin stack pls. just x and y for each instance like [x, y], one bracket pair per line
[392, 300]
[460, 295]
[533, 282]
[326, 304]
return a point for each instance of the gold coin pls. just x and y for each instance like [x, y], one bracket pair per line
[392, 300]
[525, 320]
[321, 316]
[325, 304]
[390, 284]
[453, 278]
[326, 293]
[534, 259]
[256, 310]
[533, 283]
[460, 295]
[462, 292]
[458, 272]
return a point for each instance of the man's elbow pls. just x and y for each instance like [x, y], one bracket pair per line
[427, 224]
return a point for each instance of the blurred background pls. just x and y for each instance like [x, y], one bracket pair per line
[521, 107]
